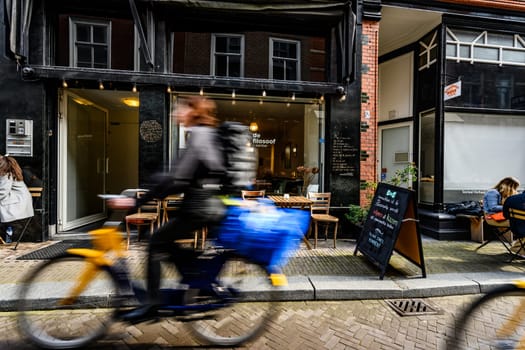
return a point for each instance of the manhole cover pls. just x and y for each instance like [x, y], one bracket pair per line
[411, 307]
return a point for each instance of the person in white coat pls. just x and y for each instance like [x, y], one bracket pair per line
[16, 202]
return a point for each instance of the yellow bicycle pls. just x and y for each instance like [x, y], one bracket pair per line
[53, 295]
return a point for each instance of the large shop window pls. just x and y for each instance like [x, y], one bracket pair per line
[479, 150]
[89, 43]
[286, 135]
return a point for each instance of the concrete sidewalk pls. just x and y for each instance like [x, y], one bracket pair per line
[325, 273]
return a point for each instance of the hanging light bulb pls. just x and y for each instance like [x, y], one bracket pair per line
[264, 93]
[100, 85]
[233, 93]
[201, 92]
[321, 99]
[254, 127]
[293, 96]
[169, 89]
[64, 83]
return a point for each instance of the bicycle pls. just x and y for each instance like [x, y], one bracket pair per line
[494, 321]
[218, 313]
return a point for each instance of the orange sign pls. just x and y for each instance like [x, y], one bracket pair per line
[452, 90]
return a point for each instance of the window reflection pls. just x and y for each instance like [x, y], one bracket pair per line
[427, 136]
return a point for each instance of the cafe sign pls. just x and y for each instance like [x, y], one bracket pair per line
[260, 142]
[452, 90]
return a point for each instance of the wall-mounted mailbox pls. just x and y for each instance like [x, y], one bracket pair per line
[19, 137]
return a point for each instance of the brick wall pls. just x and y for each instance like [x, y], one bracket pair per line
[369, 89]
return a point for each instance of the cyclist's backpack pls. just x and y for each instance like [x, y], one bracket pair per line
[240, 157]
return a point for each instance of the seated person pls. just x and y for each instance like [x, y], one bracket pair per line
[517, 227]
[495, 197]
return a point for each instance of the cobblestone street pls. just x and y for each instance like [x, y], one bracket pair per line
[363, 324]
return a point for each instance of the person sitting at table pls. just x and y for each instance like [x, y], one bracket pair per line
[494, 199]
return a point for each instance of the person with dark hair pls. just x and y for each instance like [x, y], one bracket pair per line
[200, 169]
[15, 200]
[30, 178]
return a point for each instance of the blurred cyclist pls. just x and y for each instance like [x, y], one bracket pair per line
[197, 172]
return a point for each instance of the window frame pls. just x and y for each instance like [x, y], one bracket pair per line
[73, 51]
[272, 41]
[214, 54]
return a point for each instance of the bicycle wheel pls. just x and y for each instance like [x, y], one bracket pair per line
[52, 321]
[495, 321]
[247, 317]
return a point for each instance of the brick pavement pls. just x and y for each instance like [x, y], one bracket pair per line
[365, 323]
[301, 325]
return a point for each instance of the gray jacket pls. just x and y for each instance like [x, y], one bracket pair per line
[15, 200]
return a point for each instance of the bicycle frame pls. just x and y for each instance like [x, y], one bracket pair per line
[108, 249]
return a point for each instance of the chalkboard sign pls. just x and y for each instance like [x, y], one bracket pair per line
[391, 224]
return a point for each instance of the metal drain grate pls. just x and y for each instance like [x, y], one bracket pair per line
[55, 249]
[411, 307]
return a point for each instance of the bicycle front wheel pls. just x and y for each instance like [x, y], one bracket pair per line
[248, 316]
[495, 321]
[52, 303]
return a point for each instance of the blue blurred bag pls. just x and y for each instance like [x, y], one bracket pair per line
[264, 233]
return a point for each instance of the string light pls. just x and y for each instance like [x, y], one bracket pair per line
[134, 89]
[64, 83]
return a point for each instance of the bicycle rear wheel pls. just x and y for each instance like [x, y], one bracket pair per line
[495, 321]
[248, 316]
[52, 321]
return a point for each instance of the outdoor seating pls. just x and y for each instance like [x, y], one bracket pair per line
[500, 232]
[320, 209]
[36, 194]
[517, 223]
[251, 195]
[147, 215]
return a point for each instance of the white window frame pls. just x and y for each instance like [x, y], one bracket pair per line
[426, 51]
[73, 22]
[481, 42]
[214, 53]
[297, 60]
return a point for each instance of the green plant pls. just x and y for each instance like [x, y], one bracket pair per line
[357, 214]
[407, 175]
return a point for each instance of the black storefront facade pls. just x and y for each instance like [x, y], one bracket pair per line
[65, 63]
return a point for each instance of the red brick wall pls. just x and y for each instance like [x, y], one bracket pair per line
[369, 82]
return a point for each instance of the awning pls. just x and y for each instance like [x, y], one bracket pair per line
[19, 18]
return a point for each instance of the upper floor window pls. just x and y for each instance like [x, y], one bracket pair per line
[428, 51]
[227, 55]
[89, 43]
[285, 59]
[485, 47]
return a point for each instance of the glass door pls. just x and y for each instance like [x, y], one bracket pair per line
[395, 149]
[82, 162]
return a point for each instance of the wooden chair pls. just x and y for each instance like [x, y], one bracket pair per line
[252, 195]
[147, 215]
[517, 225]
[170, 203]
[36, 194]
[320, 209]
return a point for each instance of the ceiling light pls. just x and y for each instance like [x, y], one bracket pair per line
[131, 102]
[201, 92]
[64, 83]
[264, 93]
[100, 85]
[293, 96]
[169, 89]
[134, 89]
[233, 94]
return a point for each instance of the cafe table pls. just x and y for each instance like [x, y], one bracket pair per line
[293, 202]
